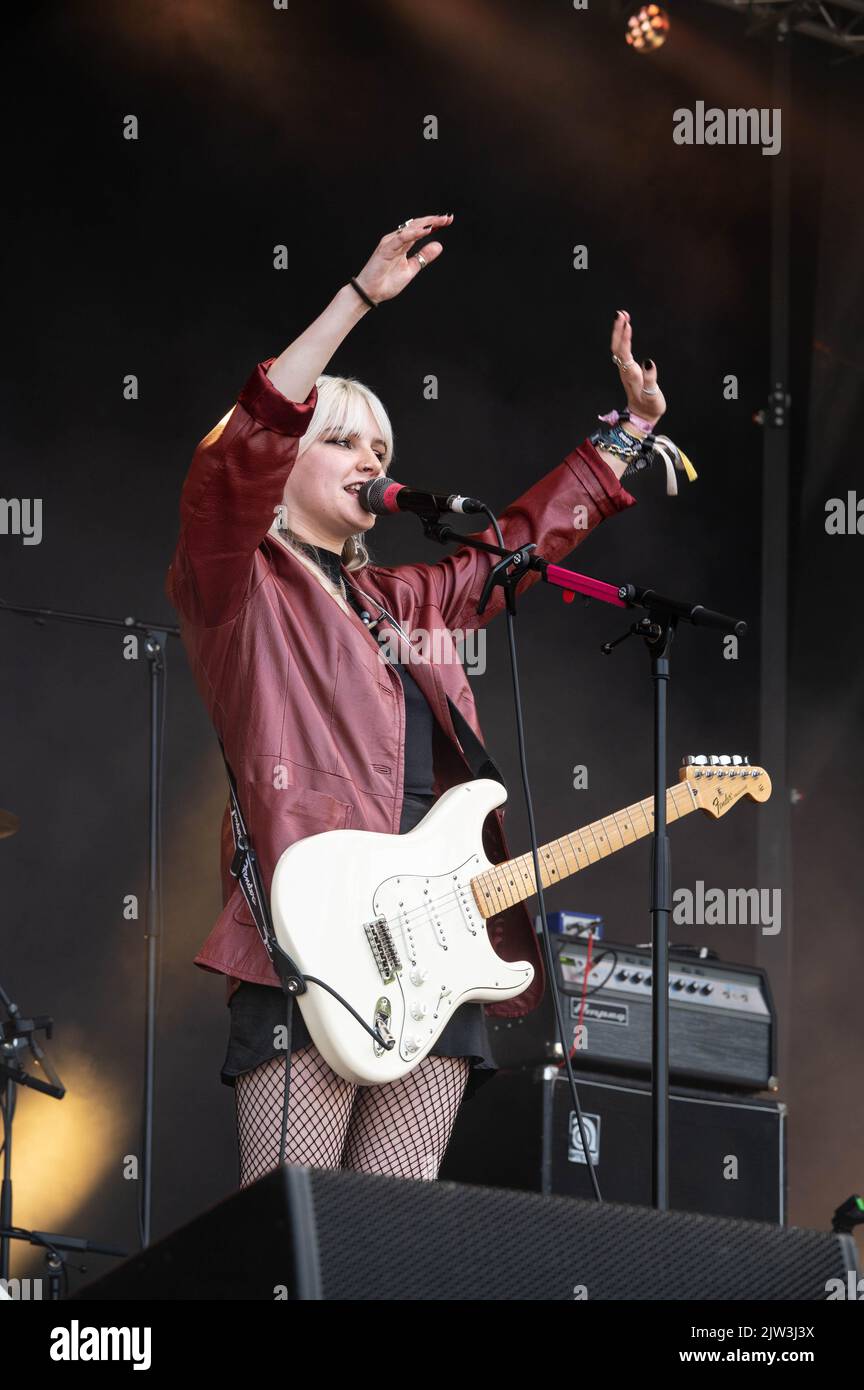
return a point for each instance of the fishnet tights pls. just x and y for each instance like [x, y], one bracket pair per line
[401, 1128]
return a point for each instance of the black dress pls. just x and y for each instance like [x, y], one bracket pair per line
[257, 1010]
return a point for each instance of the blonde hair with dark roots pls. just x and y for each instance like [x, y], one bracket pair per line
[340, 410]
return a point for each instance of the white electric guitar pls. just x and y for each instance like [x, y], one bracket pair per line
[396, 924]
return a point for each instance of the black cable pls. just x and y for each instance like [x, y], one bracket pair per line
[3, 1086]
[595, 989]
[34, 1238]
[159, 841]
[373, 1032]
[289, 1017]
[547, 945]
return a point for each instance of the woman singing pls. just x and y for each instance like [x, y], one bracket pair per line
[270, 577]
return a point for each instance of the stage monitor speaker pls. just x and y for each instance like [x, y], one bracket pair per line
[317, 1233]
[727, 1154]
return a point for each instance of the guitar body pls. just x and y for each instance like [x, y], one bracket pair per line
[390, 922]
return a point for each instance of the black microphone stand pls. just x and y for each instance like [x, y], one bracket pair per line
[155, 642]
[15, 1035]
[657, 629]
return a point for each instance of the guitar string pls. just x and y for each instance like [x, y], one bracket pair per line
[438, 903]
[682, 809]
[433, 902]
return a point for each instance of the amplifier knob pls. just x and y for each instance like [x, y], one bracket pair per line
[677, 984]
[623, 975]
[707, 989]
[647, 980]
[636, 977]
[692, 987]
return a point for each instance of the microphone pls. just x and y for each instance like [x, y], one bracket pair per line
[383, 496]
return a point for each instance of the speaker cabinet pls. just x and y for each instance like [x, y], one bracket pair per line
[727, 1153]
[315, 1233]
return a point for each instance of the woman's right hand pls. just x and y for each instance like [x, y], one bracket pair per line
[385, 274]
[390, 268]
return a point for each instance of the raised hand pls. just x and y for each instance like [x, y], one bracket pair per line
[390, 268]
[644, 397]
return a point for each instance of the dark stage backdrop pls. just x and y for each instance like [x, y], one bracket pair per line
[154, 257]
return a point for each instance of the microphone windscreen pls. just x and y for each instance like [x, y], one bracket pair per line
[379, 496]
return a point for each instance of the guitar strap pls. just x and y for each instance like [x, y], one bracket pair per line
[244, 867]
[476, 756]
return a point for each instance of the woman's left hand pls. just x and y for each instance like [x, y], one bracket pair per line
[644, 397]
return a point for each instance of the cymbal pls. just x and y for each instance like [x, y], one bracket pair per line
[8, 824]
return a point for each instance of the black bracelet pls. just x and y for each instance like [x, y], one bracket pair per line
[363, 295]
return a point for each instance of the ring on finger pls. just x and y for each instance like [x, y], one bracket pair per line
[650, 390]
[403, 225]
[422, 259]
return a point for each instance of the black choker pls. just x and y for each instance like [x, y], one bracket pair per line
[326, 560]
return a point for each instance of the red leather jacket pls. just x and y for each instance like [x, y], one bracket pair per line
[290, 680]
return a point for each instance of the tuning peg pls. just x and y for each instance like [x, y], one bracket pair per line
[695, 760]
[736, 759]
[725, 760]
[713, 759]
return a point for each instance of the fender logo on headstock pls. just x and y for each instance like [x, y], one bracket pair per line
[721, 801]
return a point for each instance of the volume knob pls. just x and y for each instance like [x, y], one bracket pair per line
[418, 1009]
[418, 976]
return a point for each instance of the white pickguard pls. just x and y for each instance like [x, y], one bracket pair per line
[328, 889]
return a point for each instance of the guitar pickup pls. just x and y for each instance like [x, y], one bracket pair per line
[384, 951]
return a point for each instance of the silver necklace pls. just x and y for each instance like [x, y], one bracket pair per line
[373, 622]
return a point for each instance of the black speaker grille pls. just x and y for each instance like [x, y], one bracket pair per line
[386, 1238]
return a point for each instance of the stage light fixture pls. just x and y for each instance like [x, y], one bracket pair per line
[647, 28]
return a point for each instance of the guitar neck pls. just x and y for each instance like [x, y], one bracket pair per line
[514, 881]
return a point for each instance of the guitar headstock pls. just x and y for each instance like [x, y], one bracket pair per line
[718, 780]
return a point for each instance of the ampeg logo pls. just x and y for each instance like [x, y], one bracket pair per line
[601, 1013]
[575, 1151]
